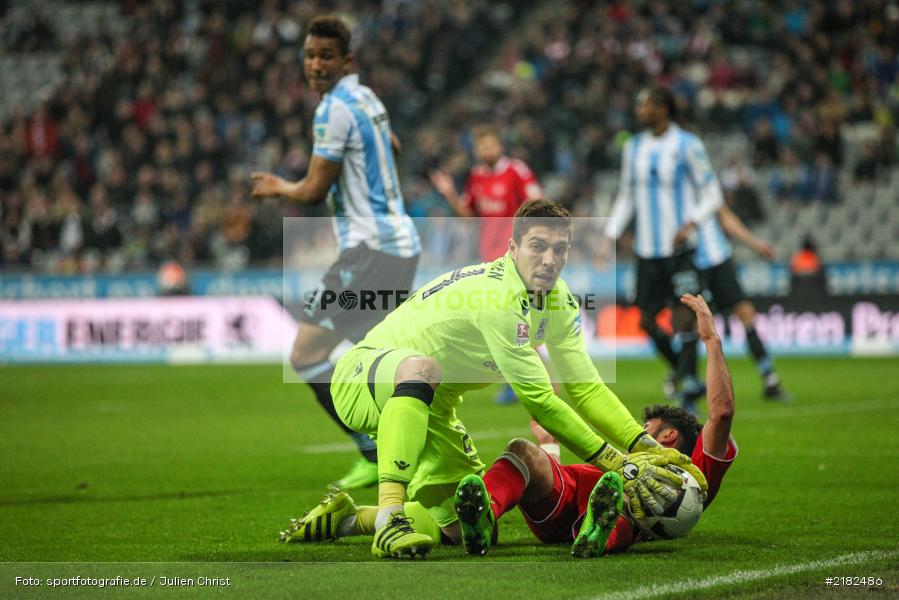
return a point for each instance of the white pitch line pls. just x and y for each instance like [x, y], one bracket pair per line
[692, 585]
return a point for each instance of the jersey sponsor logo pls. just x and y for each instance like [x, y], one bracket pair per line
[401, 465]
[491, 364]
[357, 370]
[541, 329]
[522, 334]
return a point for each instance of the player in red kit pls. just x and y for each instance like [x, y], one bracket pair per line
[495, 188]
[555, 499]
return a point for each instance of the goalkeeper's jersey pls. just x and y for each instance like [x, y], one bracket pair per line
[482, 326]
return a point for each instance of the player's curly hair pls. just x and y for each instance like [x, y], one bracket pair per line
[539, 212]
[328, 26]
[687, 426]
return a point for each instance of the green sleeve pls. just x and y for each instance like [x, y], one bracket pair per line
[592, 399]
[521, 366]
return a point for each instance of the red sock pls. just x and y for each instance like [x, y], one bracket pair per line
[505, 484]
[621, 537]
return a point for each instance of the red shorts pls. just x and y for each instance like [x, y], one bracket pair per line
[556, 519]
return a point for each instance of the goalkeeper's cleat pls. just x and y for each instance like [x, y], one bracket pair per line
[472, 506]
[397, 539]
[321, 522]
[603, 509]
[362, 474]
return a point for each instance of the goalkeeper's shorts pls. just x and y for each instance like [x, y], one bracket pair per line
[363, 383]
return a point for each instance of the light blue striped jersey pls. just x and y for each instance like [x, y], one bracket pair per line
[712, 246]
[667, 181]
[351, 127]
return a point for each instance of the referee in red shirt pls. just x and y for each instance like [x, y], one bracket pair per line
[496, 187]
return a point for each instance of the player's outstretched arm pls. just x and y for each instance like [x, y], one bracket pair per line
[311, 189]
[735, 228]
[443, 183]
[716, 431]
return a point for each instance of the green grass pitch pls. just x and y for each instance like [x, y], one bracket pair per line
[192, 471]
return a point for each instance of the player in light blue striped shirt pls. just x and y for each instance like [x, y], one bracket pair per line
[668, 183]
[353, 168]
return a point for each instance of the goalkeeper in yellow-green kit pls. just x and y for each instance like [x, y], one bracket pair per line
[462, 331]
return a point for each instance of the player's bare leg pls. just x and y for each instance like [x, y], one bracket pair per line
[310, 358]
[745, 311]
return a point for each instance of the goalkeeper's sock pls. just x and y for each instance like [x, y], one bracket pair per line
[506, 481]
[622, 537]
[402, 431]
[390, 500]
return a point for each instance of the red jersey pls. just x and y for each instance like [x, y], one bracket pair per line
[497, 193]
[713, 468]
[557, 518]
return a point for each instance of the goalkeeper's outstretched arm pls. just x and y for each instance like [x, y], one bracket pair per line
[716, 431]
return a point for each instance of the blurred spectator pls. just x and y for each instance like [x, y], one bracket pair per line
[807, 275]
[867, 165]
[765, 147]
[155, 120]
[787, 178]
[740, 193]
[172, 280]
[821, 180]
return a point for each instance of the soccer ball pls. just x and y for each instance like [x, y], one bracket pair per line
[681, 516]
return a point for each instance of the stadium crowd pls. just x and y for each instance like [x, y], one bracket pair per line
[143, 154]
[788, 73]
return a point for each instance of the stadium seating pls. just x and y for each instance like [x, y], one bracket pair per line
[560, 80]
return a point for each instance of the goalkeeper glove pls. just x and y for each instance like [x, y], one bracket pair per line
[678, 459]
[646, 443]
[643, 473]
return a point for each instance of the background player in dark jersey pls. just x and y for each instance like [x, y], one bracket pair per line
[554, 498]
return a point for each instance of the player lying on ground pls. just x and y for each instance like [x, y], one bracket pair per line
[573, 503]
[561, 504]
[461, 332]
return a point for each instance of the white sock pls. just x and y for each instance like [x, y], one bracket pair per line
[384, 515]
[347, 527]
